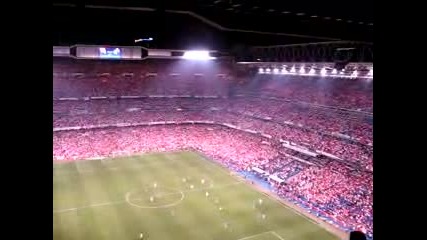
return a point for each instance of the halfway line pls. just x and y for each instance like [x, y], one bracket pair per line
[124, 201]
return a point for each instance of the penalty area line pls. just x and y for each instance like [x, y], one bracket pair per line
[255, 235]
[88, 206]
[263, 233]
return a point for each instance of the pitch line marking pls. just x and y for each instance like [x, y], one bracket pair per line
[277, 235]
[124, 201]
[128, 200]
[88, 206]
[255, 235]
[259, 234]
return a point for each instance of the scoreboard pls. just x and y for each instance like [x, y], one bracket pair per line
[107, 52]
[127, 53]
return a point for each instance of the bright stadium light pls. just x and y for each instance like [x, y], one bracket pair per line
[312, 71]
[302, 70]
[275, 70]
[197, 55]
[284, 71]
[323, 72]
[293, 70]
[354, 74]
[371, 72]
[261, 70]
[334, 71]
[268, 70]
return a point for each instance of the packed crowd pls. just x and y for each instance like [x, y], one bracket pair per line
[283, 167]
[231, 148]
[346, 124]
[341, 92]
[337, 192]
[352, 124]
[330, 187]
[88, 113]
[74, 78]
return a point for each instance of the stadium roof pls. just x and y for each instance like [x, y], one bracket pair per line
[251, 22]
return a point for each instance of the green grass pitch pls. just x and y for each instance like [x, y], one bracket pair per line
[174, 196]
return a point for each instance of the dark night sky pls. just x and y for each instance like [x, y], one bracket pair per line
[95, 26]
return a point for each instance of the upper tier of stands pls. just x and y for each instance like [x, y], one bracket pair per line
[86, 78]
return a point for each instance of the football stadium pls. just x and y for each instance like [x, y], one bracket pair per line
[211, 128]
